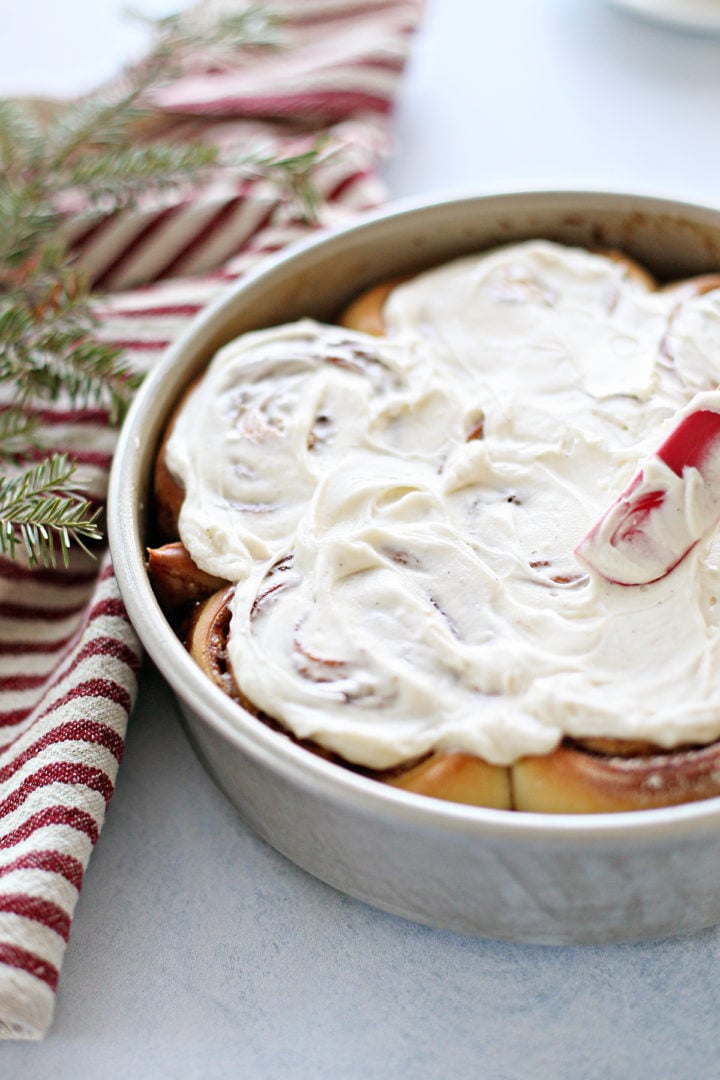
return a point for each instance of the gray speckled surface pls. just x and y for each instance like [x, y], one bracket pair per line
[196, 950]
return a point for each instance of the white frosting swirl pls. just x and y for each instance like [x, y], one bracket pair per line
[400, 514]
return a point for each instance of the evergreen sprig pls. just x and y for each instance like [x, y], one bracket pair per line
[119, 176]
[106, 151]
[217, 34]
[41, 509]
[294, 174]
[49, 352]
[17, 432]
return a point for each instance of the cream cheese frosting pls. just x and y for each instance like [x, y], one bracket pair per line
[399, 514]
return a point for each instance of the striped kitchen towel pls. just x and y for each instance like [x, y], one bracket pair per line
[68, 656]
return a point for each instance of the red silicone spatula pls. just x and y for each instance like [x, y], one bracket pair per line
[670, 504]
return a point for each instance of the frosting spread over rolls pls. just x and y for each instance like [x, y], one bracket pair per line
[400, 513]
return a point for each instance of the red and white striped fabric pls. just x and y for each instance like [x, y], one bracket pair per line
[68, 655]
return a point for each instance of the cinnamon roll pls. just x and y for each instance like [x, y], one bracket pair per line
[369, 532]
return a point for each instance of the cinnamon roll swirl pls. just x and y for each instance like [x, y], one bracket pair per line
[369, 533]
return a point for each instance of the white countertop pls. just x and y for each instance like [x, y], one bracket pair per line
[196, 950]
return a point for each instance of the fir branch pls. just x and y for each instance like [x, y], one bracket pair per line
[86, 374]
[20, 140]
[49, 350]
[41, 510]
[120, 176]
[105, 150]
[294, 175]
[106, 119]
[27, 221]
[17, 432]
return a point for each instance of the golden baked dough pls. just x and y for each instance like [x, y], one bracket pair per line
[366, 312]
[573, 780]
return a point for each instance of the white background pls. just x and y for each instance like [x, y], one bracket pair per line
[196, 950]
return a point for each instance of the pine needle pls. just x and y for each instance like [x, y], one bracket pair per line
[41, 510]
[48, 350]
[120, 175]
[17, 433]
[294, 175]
[49, 347]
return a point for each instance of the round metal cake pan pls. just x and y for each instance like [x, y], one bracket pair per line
[524, 877]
